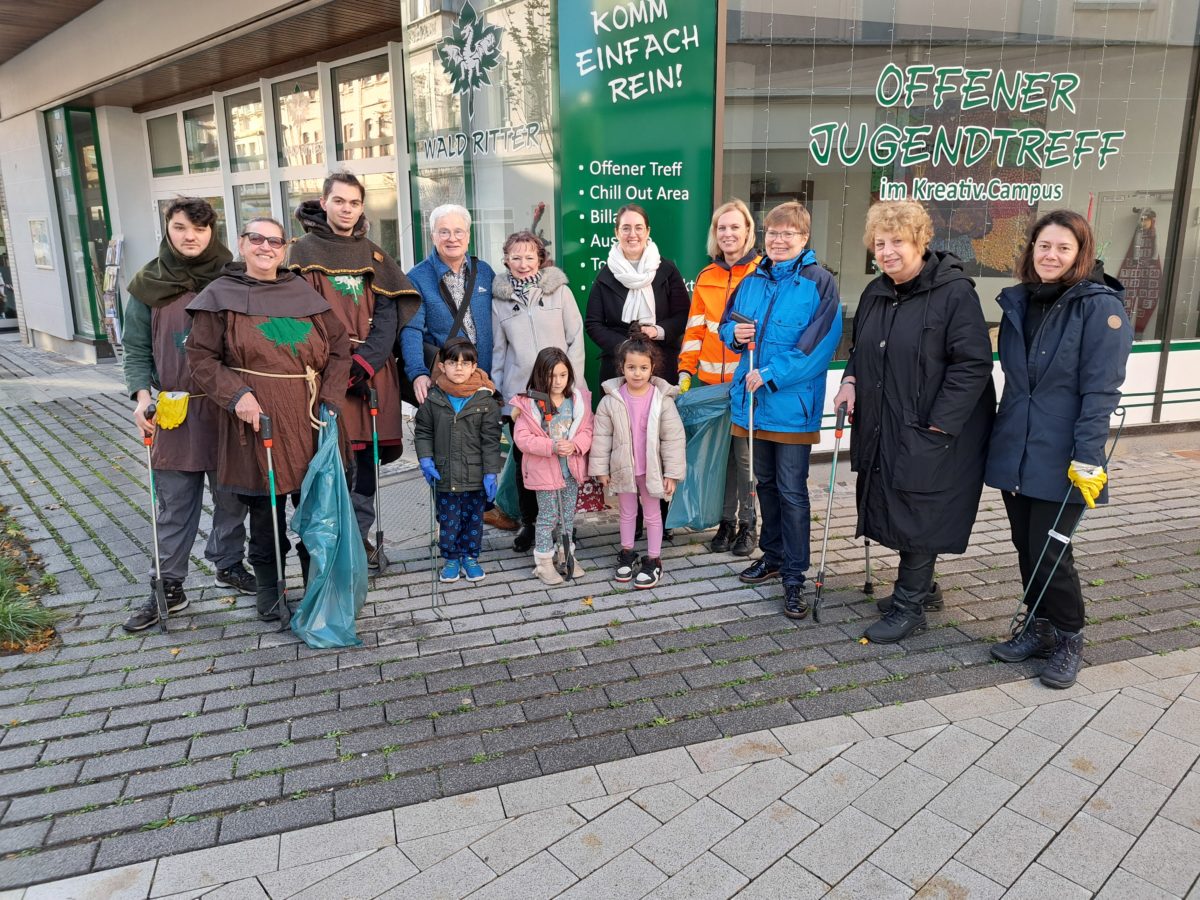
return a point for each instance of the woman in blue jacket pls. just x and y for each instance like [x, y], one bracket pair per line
[797, 317]
[1064, 340]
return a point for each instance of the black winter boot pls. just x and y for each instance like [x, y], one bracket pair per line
[305, 558]
[1039, 640]
[933, 600]
[746, 541]
[267, 595]
[903, 619]
[724, 538]
[795, 600]
[1063, 666]
[524, 539]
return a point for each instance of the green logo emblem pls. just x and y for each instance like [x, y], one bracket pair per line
[348, 286]
[283, 331]
[472, 49]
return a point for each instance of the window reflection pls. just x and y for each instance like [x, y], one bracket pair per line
[247, 132]
[200, 133]
[250, 200]
[299, 140]
[295, 193]
[363, 109]
[381, 211]
[166, 156]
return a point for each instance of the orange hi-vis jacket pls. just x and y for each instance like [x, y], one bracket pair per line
[703, 354]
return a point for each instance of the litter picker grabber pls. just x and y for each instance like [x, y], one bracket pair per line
[1024, 615]
[160, 594]
[819, 581]
[562, 538]
[380, 556]
[869, 584]
[746, 320]
[281, 604]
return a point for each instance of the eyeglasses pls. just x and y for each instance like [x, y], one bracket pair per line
[259, 239]
[457, 363]
[784, 235]
[457, 233]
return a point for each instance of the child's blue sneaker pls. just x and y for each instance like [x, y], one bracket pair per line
[451, 571]
[472, 569]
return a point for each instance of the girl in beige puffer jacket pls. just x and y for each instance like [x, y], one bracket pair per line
[638, 452]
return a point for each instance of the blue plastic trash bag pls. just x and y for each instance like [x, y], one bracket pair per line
[337, 572]
[506, 491]
[706, 418]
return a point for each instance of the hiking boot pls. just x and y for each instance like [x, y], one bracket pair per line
[900, 621]
[795, 600]
[377, 560]
[472, 569]
[266, 596]
[649, 574]
[543, 568]
[759, 571]
[626, 560]
[237, 578]
[451, 571]
[1039, 640]
[746, 541]
[723, 539]
[524, 539]
[933, 600]
[147, 614]
[1063, 666]
[498, 518]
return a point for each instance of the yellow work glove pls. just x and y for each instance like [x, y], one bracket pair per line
[685, 382]
[172, 409]
[1089, 479]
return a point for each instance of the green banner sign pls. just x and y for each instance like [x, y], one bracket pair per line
[637, 89]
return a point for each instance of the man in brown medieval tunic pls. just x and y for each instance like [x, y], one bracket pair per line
[263, 341]
[374, 299]
[156, 327]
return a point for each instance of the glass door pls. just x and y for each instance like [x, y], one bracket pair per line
[82, 213]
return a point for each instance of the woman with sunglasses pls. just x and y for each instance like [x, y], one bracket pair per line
[264, 342]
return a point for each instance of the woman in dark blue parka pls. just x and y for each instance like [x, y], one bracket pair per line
[1064, 340]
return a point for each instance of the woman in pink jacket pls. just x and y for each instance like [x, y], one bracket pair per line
[554, 437]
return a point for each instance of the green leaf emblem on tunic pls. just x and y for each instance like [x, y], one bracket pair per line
[283, 331]
[348, 286]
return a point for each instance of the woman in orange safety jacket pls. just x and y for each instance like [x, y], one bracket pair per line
[706, 359]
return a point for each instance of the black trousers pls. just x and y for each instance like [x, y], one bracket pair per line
[262, 538]
[914, 577]
[526, 498]
[1031, 521]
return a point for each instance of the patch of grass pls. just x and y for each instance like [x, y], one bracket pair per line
[1097, 582]
[485, 757]
[25, 625]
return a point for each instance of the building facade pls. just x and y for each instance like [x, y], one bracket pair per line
[550, 114]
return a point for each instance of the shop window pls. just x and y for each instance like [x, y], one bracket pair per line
[381, 211]
[363, 92]
[793, 79]
[294, 193]
[298, 131]
[200, 134]
[244, 119]
[166, 155]
[250, 200]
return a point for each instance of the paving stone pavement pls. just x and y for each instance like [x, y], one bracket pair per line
[901, 801]
[118, 749]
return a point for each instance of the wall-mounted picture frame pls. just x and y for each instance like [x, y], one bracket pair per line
[39, 233]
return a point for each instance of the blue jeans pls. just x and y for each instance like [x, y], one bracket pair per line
[781, 471]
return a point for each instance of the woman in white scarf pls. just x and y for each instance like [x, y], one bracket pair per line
[637, 287]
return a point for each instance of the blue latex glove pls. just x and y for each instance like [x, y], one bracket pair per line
[429, 470]
[489, 486]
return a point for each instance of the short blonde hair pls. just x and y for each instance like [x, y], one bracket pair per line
[792, 214]
[734, 205]
[906, 218]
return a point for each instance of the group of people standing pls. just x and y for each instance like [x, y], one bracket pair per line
[334, 320]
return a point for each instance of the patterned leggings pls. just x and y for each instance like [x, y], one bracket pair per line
[547, 518]
[460, 521]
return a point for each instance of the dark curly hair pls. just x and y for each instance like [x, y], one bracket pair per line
[637, 342]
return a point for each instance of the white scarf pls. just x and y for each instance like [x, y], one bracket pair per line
[637, 277]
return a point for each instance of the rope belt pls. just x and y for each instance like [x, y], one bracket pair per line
[310, 377]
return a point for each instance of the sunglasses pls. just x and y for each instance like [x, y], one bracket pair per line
[257, 239]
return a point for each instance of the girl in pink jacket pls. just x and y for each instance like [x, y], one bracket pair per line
[554, 439]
